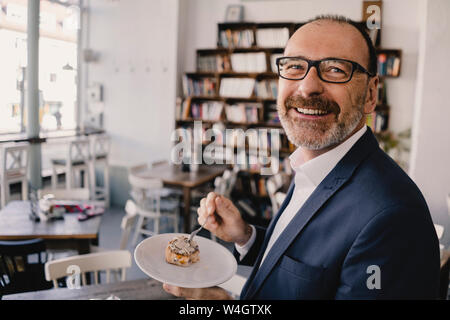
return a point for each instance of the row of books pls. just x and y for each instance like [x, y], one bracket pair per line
[210, 110]
[249, 62]
[182, 109]
[388, 65]
[199, 86]
[213, 110]
[237, 87]
[267, 89]
[237, 62]
[377, 120]
[244, 88]
[236, 38]
[213, 63]
[272, 37]
[243, 112]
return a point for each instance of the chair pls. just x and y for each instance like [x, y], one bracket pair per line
[100, 156]
[66, 194]
[14, 169]
[22, 266]
[128, 221]
[164, 191]
[87, 263]
[146, 192]
[76, 161]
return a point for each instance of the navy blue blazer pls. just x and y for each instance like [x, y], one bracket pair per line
[364, 233]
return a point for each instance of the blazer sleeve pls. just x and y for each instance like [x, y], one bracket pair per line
[395, 256]
[251, 256]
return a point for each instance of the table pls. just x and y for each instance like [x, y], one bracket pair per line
[68, 233]
[142, 289]
[173, 176]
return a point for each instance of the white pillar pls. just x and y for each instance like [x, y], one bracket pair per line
[32, 93]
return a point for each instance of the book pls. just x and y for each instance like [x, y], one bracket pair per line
[237, 87]
[249, 62]
[272, 37]
[243, 112]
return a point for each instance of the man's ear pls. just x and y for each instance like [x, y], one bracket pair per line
[372, 95]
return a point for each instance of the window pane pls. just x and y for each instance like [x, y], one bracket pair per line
[57, 65]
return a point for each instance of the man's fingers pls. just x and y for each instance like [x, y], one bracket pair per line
[179, 291]
[224, 206]
[210, 204]
[214, 293]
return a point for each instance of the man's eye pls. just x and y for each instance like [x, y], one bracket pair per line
[335, 70]
[295, 66]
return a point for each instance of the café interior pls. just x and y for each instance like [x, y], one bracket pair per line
[105, 111]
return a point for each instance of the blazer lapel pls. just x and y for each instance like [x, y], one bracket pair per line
[332, 182]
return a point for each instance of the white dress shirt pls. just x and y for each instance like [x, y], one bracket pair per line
[308, 175]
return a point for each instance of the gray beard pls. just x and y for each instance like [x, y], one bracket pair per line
[333, 136]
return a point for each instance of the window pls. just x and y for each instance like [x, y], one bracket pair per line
[58, 45]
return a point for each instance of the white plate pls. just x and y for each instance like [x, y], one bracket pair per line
[216, 264]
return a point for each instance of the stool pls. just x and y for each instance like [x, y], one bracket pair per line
[14, 168]
[99, 156]
[76, 161]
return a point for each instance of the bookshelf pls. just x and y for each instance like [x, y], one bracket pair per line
[235, 86]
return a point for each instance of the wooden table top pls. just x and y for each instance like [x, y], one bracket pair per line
[15, 224]
[142, 289]
[173, 175]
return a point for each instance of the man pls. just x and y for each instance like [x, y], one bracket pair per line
[353, 225]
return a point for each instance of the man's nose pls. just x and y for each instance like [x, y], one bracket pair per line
[311, 85]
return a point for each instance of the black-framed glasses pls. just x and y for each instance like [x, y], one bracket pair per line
[333, 70]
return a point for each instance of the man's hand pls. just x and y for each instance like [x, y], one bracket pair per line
[213, 293]
[225, 220]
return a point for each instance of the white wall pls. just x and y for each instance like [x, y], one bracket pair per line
[430, 165]
[137, 43]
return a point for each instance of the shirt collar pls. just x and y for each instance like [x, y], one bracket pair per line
[318, 168]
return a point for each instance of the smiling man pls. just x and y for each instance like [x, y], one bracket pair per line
[353, 224]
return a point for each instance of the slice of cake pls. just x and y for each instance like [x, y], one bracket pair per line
[182, 252]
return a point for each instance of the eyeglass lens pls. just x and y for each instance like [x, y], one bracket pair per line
[329, 70]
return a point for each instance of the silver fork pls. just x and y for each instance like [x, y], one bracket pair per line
[193, 233]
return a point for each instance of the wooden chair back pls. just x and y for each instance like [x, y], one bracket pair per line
[66, 194]
[79, 151]
[89, 263]
[15, 160]
[101, 145]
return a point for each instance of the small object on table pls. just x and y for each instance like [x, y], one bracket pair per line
[90, 212]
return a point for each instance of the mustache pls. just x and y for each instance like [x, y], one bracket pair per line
[316, 102]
